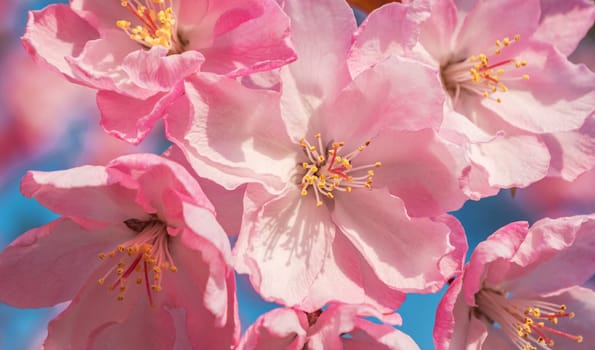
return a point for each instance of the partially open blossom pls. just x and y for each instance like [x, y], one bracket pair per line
[137, 52]
[507, 86]
[522, 290]
[137, 250]
[340, 326]
[347, 181]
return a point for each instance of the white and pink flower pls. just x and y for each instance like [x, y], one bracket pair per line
[137, 53]
[508, 85]
[138, 251]
[522, 290]
[347, 181]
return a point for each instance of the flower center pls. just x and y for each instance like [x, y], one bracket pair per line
[157, 24]
[142, 258]
[528, 323]
[483, 74]
[327, 170]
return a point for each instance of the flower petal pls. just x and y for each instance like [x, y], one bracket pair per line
[473, 38]
[90, 195]
[406, 253]
[420, 168]
[391, 30]
[231, 134]
[322, 46]
[131, 119]
[565, 23]
[284, 244]
[279, 329]
[55, 33]
[95, 319]
[573, 152]
[61, 250]
[559, 95]
[491, 259]
[247, 37]
[551, 245]
[204, 287]
[512, 161]
[398, 93]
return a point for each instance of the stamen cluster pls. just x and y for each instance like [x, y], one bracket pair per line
[327, 171]
[528, 323]
[480, 74]
[146, 254]
[158, 24]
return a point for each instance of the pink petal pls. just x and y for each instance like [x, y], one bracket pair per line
[391, 30]
[573, 152]
[96, 319]
[438, 31]
[452, 318]
[59, 256]
[512, 161]
[284, 244]
[90, 195]
[322, 46]
[155, 70]
[166, 188]
[99, 65]
[347, 270]
[397, 93]
[581, 301]
[279, 329]
[102, 14]
[131, 119]
[204, 288]
[551, 246]
[228, 204]
[473, 37]
[371, 336]
[491, 259]
[390, 241]
[339, 319]
[558, 96]
[565, 23]
[231, 134]
[56, 33]
[420, 168]
[255, 38]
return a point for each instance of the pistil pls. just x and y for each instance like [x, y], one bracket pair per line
[327, 170]
[483, 74]
[142, 259]
[157, 24]
[530, 324]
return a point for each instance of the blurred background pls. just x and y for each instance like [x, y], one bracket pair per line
[47, 123]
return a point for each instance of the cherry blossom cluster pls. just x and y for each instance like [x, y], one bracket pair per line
[333, 154]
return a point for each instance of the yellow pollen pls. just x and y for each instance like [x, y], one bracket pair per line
[329, 169]
[157, 24]
[484, 74]
[144, 255]
[526, 322]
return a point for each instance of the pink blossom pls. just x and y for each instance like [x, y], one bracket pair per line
[335, 198]
[137, 250]
[507, 83]
[340, 326]
[137, 53]
[521, 290]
